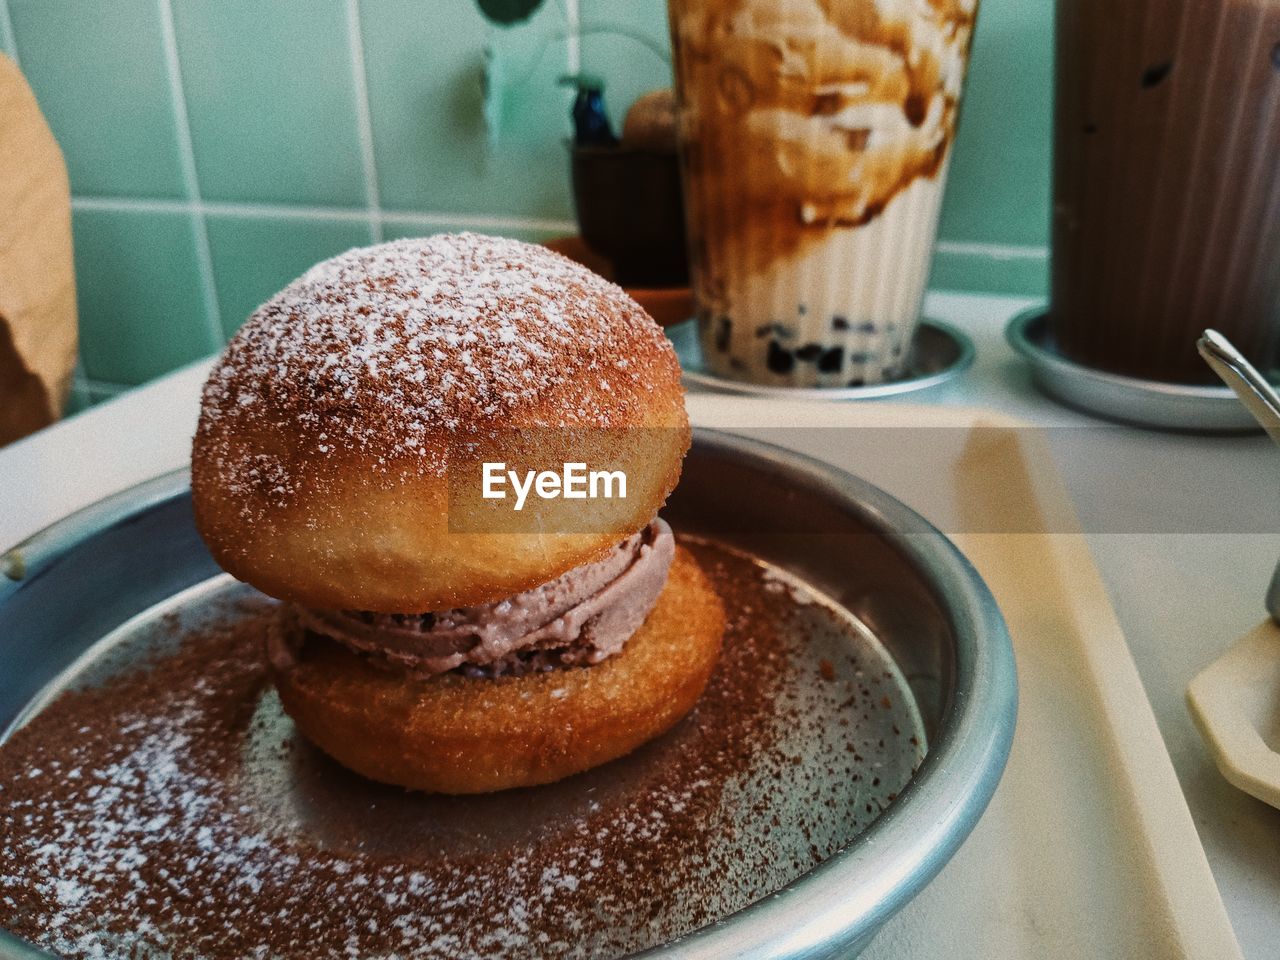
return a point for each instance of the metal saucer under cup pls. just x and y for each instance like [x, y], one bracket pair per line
[1112, 396]
[939, 353]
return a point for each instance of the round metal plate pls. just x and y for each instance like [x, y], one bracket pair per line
[939, 353]
[1143, 403]
[86, 597]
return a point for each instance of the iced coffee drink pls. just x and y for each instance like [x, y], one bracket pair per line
[815, 138]
[1166, 189]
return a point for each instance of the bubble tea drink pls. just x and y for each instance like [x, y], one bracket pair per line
[815, 137]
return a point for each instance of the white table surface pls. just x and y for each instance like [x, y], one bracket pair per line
[1185, 532]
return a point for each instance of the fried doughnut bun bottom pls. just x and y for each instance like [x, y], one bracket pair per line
[456, 734]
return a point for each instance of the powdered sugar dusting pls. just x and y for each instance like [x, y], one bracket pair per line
[174, 812]
[160, 842]
[385, 350]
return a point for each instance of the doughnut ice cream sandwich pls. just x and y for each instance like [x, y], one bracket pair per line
[430, 635]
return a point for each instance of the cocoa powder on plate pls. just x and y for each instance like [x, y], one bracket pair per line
[171, 811]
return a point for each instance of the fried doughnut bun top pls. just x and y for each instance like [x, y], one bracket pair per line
[337, 461]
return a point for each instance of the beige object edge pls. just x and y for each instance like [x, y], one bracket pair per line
[37, 276]
[1233, 703]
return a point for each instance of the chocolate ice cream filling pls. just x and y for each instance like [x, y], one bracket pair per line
[582, 617]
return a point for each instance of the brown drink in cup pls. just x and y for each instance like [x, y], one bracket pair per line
[1166, 188]
[815, 139]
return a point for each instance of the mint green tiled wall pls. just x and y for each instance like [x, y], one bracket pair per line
[618, 41]
[271, 100]
[140, 293]
[217, 148]
[100, 76]
[254, 256]
[999, 191]
[424, 64]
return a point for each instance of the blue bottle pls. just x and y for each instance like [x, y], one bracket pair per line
[590, 122]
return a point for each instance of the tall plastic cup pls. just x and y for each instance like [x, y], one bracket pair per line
[815, 138]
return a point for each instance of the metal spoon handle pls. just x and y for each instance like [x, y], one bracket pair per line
[1241, 376]
[1273, 597]
[1256, 394]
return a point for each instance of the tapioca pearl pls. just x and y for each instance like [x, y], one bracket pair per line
[859, 358]
[831, 361]
[856, 382]
[809, 352]
[839, 323]
[801, 309]
[775, 328]
[867, 326]
[724, 327]
[779, 360]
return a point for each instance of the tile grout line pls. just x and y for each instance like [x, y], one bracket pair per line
[7, 35]
[301, 212]
[105, 389]
[187, 153]
[364, 117]
[995, 251]
[573, 42]
[91, 385]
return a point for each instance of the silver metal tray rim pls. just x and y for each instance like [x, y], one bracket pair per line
[1149, 403]
[694, 373]
[840, 903]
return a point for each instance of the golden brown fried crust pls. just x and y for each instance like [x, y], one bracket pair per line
[353, 539]
[457, 734]
[348, 413]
